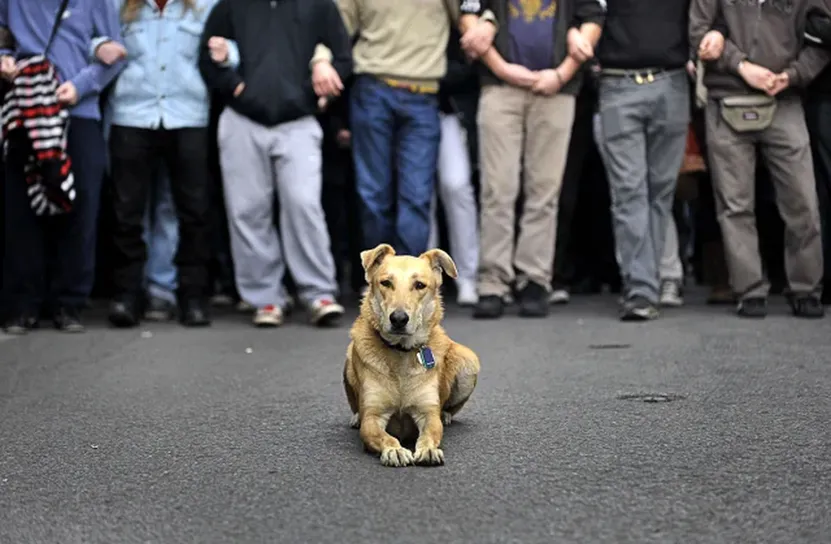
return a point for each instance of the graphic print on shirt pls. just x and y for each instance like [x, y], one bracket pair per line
[531, 26]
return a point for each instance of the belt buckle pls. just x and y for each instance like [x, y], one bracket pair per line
[640, 80]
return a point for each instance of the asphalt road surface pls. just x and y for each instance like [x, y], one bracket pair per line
[233, 434]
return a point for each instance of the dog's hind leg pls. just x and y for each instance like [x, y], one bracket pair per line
[466, 366]
[352, 398]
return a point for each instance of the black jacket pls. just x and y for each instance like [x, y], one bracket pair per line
[461, 82]
[818, 34]
[571, 13]
[276, 41]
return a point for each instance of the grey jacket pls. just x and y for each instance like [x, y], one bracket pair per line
[770, 34]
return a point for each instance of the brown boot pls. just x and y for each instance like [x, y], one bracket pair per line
[716, 274]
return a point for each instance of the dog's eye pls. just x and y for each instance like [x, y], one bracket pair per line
[420, 286]
[387, 284]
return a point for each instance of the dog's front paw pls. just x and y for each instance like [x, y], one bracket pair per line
[355, 421]
[446, 418]
[429, 456]
[396, 457]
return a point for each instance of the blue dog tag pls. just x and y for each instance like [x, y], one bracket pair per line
[425, 357]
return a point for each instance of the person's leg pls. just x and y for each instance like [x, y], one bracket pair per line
[818, 117]
[302, 223]
[786, 149]
[372, 122]
[190, 183]
[135, 156]
[732, 160]
[459, 202]
[671, 270]
[666, 144]
[625, 107]
[419, 132]
[24, 248]
[578, 148]
[548, 132]
[248, 180]
[161, 229]
[76, 236]
[501, 122]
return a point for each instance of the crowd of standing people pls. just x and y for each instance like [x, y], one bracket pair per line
[176, 154]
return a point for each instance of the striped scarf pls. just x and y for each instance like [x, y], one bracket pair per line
[33, 116]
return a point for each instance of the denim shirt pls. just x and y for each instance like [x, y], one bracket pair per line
[30, 22]
[160, 85]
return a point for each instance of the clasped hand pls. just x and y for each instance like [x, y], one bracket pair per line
[545, 82]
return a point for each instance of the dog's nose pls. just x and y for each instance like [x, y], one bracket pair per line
[399, 319]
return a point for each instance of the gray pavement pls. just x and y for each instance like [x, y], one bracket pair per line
[168, 435]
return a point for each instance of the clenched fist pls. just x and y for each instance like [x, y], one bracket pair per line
[218, 48]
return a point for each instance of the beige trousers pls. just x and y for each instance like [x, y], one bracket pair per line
[520, 130]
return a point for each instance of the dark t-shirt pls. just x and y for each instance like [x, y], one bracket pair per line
[531, 27]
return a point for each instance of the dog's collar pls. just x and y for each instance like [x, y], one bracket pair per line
[424, 354]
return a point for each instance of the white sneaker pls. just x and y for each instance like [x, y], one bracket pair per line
[559, 296]
[268, 316]
[325, 312]
[671, 295]
[467, 295]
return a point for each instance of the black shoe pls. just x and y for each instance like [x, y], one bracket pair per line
[489, 307]
[20, 325]
[533, 301]
[194, 313]
[638, 308]
[808, 306]
[159, 309]
[68, 320]
[753, 307]
[123, 313]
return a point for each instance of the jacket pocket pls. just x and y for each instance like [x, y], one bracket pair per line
[188, 35]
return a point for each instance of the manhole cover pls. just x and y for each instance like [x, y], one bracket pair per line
[651, 397]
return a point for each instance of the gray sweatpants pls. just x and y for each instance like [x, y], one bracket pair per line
[641, 132]
[258, 163]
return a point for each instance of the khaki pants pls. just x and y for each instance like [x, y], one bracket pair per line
[518, 128]
[785, 148]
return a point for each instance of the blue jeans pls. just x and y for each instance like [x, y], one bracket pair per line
[161, 234]
[393, 126]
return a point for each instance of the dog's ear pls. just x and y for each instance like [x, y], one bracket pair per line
[439, 260]
[372, 258]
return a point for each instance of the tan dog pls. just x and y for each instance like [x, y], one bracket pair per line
[394, 392]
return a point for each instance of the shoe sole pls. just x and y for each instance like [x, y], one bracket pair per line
[328, 318]
[268, 323]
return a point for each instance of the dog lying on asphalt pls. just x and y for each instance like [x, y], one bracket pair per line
[404, 377]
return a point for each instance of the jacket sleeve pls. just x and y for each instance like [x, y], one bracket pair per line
[348, 10]
[220, 79]
[589, 11]
[703, 14]
[336, 38]
[94, 77]
[473, 7]
[811, 60]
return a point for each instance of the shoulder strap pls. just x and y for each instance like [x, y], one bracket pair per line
[58, 18]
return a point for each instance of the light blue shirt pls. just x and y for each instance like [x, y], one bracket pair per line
[160, 85]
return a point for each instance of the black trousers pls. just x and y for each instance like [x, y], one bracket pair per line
[50, 261]
[136, 155]
[582, 140]
[818, 114]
